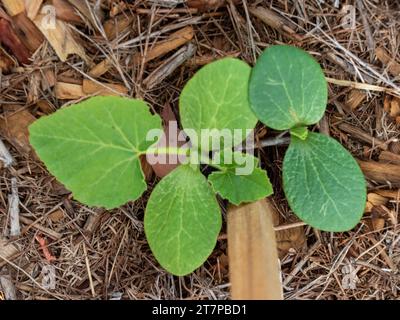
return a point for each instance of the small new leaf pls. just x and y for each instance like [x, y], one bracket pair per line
[241, 180]
[323, 183]
[287, 88]
[93, 148]
[182, 220]
[299, 132]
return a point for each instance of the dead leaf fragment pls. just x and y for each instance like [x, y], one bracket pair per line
[15, 128]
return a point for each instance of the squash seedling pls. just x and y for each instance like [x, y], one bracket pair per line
[94, 149]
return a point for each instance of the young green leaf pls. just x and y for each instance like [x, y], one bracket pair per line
[300, 132]
[182, 220]
[323, 183]
[217, 98]
[250, 185]
[93, 148]
[287, 88]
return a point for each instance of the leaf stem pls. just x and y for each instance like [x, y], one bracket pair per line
[167, 150]
[203, 158]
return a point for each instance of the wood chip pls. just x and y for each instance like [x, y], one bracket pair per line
[117, 25]
[360, 134]
[253, 258]
[292, 238]
[7, 63]
[376, 199]
[395, 147]
[66, 12]
[7, 249]
[34, 87]
[378, 223]
[10, 39]
[68, 91]
[368, 207]
[275, 21]
[386, 103]
[5, 155]
[35, 224]
[206, 5]
[32, 8]
[388, 61]
[48, 79]
[389, 157]
[94, 220]
[57, 215]
[88, 12]
[394, 107]
[26, 30]
[392, 194]
[14, 7]
[101, 68]
[8, 287]
[45, 106]
[169, 66]
[355, 98]
[380, 172]
[61, 39]
[103, 89]
[13, 209]
[174, 41]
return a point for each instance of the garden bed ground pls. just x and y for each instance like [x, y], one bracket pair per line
[149, 49]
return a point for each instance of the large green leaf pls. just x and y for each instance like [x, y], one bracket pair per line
[182, 220]
[287, 88]
[323, 183]
[217, 98]
[93, 148]
[238, 187]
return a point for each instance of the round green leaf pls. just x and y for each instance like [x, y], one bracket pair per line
[287, 88]
[93, 148]
[323, 183]
[217, 98]
[241, 186]
[182, 220]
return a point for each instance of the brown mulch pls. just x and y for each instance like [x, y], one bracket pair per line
[104, 255]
